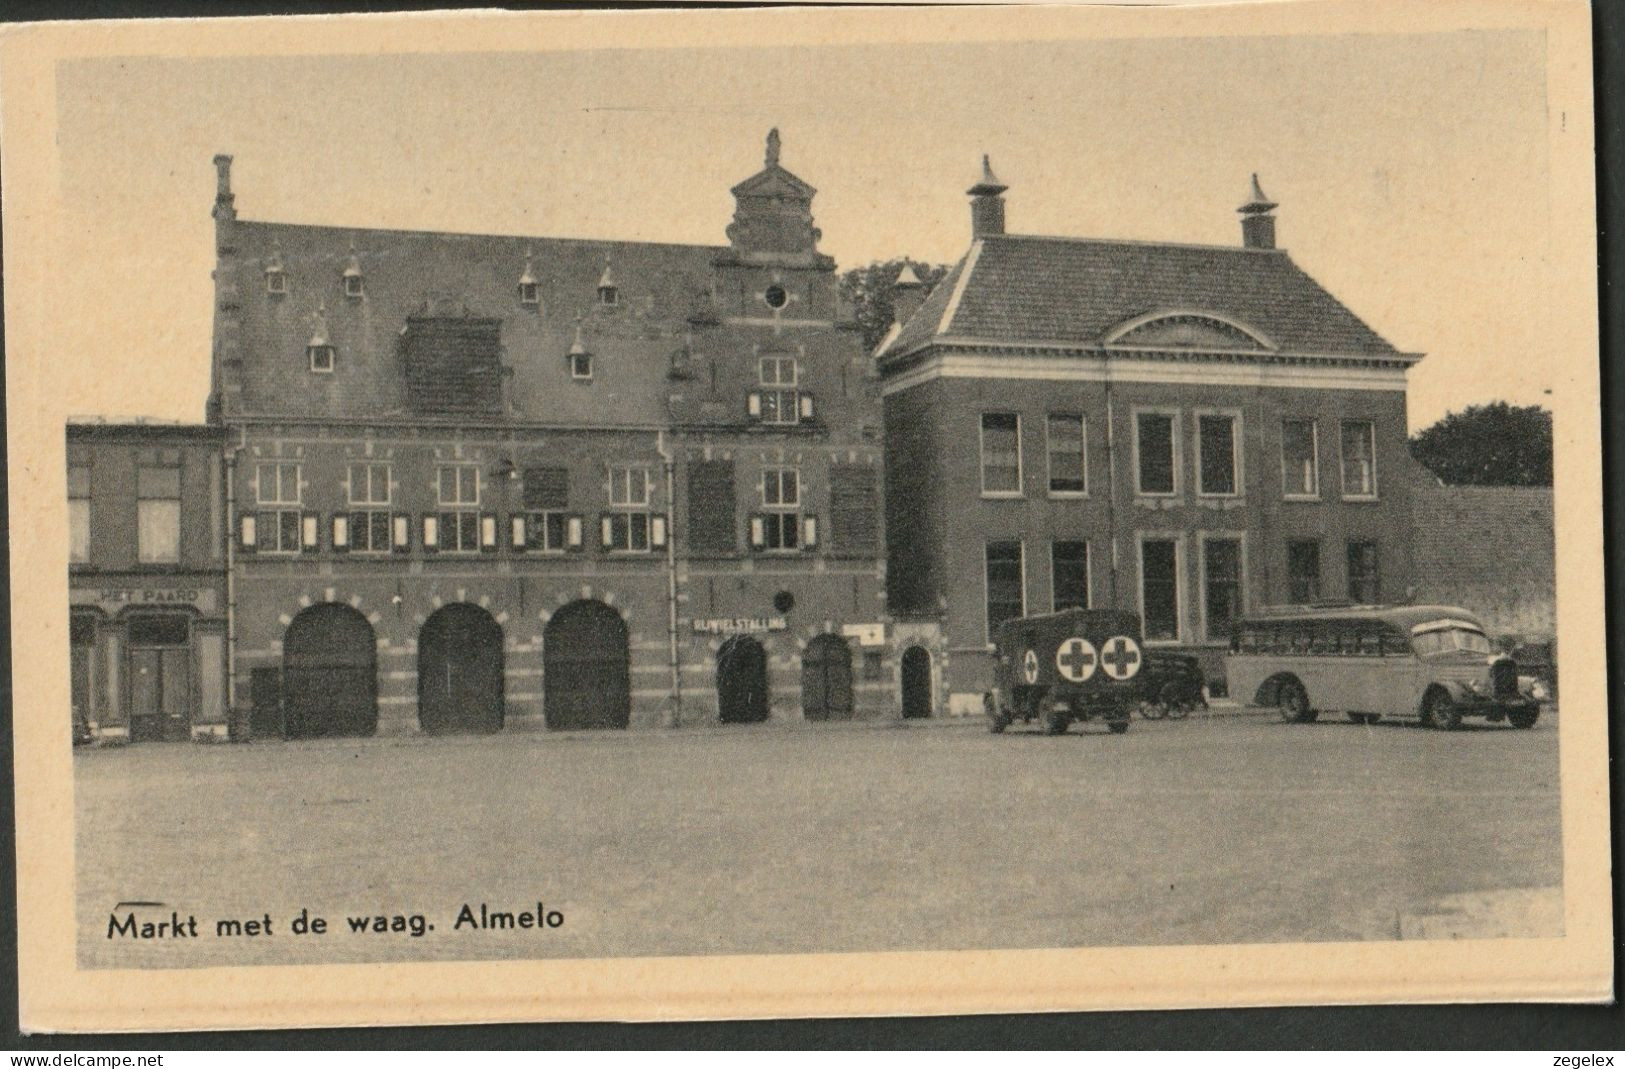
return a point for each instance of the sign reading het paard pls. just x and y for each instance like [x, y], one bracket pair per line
[114, 598]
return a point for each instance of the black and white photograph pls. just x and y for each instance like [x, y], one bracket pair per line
[738, 487]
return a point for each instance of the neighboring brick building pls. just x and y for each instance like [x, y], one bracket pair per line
[146, 582]
[1491, 549]
[481, 481]
[1185, 431]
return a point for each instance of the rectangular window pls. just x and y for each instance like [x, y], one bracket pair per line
[781, 497]
[1216, 455]
[459, 532]
[369, 531]
[277, 483]
[626, 532]
[1359, 458]
[158, 515]
[1069, 572]
[1303, 572]
[1001, 453]
[1300, 458]
[1154, 450]
[547, 488]
[779, 397]
[1221, 577]
[459, 484]
[1006, 600]
[629, 487]
[1159, 589]
[550, 532]
[1063, 436]
[1364, 586]
[78, 514]
[369, 484]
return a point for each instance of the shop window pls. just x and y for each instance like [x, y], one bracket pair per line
[1300, 459]
[1006, 596]
[158, 515]
[1155, 452]
[1303, 572]
[159, 629]
[1001, 453]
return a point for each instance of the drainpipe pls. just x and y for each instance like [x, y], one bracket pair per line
[1111, 478]
[668, 461]
[232, 531]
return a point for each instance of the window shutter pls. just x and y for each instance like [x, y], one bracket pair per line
[657, 532]
[341, 532]
[809, 532]
[753, 405]
[400, 532]
[572, 532]
[607, 530]
[806, 406]
[431, 533]
[248, 539]
[758, 532]
[310, 532]
[517, 523]
[488, 532]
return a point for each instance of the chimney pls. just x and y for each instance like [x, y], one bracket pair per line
[987, 204]
[225, 208]
[908, 293]
[1257, 224]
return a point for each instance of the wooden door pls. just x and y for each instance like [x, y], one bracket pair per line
[146, 695]
[586, 669]
[916, 683]
[826, 679]
[742, 681]
[329, 674]
[460, 661]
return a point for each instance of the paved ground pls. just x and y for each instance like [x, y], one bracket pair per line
[824, 838]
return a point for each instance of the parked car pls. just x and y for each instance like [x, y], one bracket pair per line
[1173, 685]
[1077, 664]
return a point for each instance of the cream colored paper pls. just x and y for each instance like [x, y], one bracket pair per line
[79, 341]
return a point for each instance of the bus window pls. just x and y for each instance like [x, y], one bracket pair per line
[1449, 640]
[1370, 642]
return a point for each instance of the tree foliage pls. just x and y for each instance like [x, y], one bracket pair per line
[1489, 445]
[869, 290]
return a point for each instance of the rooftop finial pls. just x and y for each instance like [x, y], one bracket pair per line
[1257, 203]
[773, 147]
[989, 186]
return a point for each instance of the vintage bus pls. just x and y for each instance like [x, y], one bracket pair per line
[1431, 663]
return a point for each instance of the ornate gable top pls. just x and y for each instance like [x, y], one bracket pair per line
[773, 210]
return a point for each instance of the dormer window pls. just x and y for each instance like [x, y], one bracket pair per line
[580, 359]
[608, 294]
[353, 286]
[276, 280]
[529, 291]
[319, 350]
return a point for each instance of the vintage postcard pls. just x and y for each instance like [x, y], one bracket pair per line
[643, 515]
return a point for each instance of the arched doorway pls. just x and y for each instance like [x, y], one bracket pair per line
[329, 674]
[586, 668]
[460, 672]
[826, 679]
[916, 683]
[741, 681]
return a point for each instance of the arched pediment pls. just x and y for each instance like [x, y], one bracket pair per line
[1187, 330]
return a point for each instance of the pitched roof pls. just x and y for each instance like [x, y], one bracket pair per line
[472, 278]
[1076, 291]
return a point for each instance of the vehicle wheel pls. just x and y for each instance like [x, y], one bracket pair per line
[1118, 727]
[1524, 719]
[1153, 710]
[1360, 718]
[1294, 703]
[997, 721]
[1056, 721]
[1441, 712]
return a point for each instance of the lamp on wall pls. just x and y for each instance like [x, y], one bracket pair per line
[505, 470]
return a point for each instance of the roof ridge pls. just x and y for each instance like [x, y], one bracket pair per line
[478, 234]
[1077, 240]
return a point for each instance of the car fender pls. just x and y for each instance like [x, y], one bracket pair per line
[1459, 692]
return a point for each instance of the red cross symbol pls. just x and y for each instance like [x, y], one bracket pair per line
[1122, 657]
[1076, 659]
